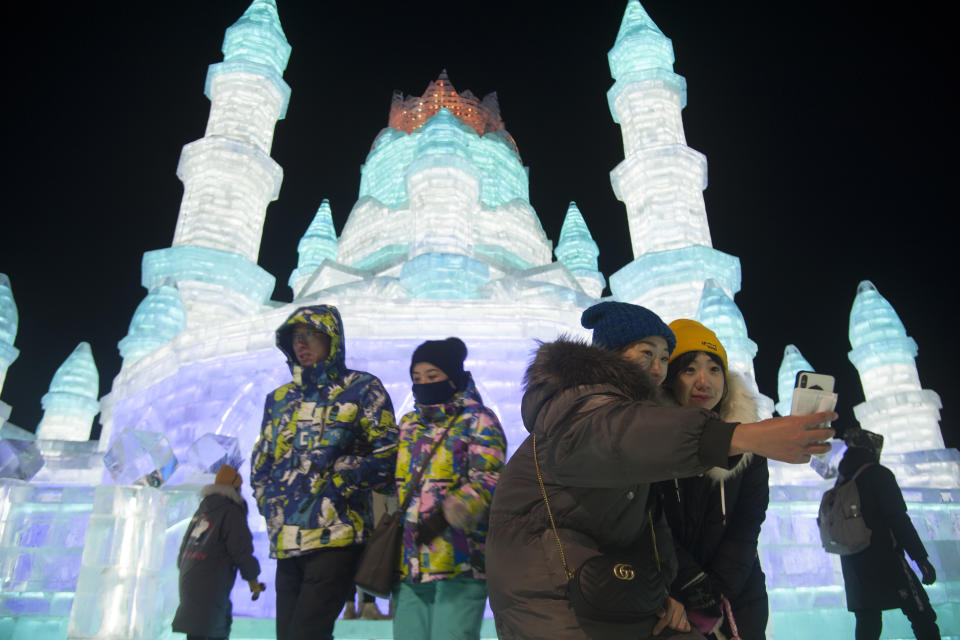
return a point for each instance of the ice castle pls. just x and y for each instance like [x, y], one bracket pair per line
[441, 241]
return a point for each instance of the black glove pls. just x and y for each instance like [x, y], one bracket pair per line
[927, 572]
[432, 527]
[701, 593]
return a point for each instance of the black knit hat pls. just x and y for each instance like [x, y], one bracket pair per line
[616, 324]
[447, 355]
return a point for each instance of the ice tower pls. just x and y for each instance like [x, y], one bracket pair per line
[661, 180]
[319, 243]
[71, 403]
[895, 405]
[228, 179]
[793, 363]
[578, 251]
[444, 209]
[8, 331]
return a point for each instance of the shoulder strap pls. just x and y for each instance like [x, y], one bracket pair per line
[553, 525]
[859, 471]
[415, 482]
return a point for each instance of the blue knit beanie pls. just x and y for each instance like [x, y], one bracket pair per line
[616, 324]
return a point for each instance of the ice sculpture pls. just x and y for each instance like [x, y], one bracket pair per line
[20, 459]
[661, 179]
[229, 177]
[71, 403]
[793, 362]
[444, 200]
[210, 451]
[578, 251]
[127, 586]
[721, 314]
[895, 406]
[8, 328]
[43, 530]
[140, 457]
[441, 241]
[319, 243]
[158, 318]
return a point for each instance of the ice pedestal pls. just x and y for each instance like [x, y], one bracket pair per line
[42, 530]
[20, 459]
[142, 457]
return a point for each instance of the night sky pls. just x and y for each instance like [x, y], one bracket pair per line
[825, 127]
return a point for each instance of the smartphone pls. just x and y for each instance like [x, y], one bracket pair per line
[812, 380]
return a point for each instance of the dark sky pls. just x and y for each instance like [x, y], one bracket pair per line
[825, 126]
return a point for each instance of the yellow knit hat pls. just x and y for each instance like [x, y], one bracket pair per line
[693, 336]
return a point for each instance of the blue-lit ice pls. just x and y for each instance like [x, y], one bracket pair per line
[72, 401]
[210, 451]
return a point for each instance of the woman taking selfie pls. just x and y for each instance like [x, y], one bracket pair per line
[716, 516]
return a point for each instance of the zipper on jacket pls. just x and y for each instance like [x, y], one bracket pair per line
[653, 537]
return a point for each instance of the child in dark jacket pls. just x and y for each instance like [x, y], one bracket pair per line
[216, 544]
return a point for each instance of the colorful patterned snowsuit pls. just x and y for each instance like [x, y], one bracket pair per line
[465, 468]
[329, 415]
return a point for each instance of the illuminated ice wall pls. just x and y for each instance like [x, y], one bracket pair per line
[442, 241]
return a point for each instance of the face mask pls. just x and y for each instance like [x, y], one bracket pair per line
[433, 392]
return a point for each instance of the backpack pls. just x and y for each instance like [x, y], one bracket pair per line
[842, 529]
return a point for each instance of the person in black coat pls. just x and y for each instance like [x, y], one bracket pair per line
[716, 517]
[879, 577]
[217, 543]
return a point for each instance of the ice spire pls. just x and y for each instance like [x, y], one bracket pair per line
[158, 318]
[661, 180]
[578, 251]
[895, 406]
[71, 403]
[719, 312]
[258, 38]
[319, 243]
[9, 321]
[229, 178]
[793, 362]
[640, 45]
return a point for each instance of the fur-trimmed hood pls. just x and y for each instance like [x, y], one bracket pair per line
[567, 363]
[739, 405]
[221, 490]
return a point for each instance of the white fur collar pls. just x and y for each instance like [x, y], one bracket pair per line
[221, 490]
[739, 405]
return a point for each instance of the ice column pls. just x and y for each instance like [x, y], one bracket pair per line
[319, 243]
[895, 406]
[229, 177]
[71, 403]
[578, 251]
[661, 180]
[8, 328]
[793, 362]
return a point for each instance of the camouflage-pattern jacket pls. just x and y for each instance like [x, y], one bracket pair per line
[328, 438]
[464, 469]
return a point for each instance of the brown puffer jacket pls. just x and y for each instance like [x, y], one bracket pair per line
[601, 441]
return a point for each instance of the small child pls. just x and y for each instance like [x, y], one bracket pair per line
[216, 544]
